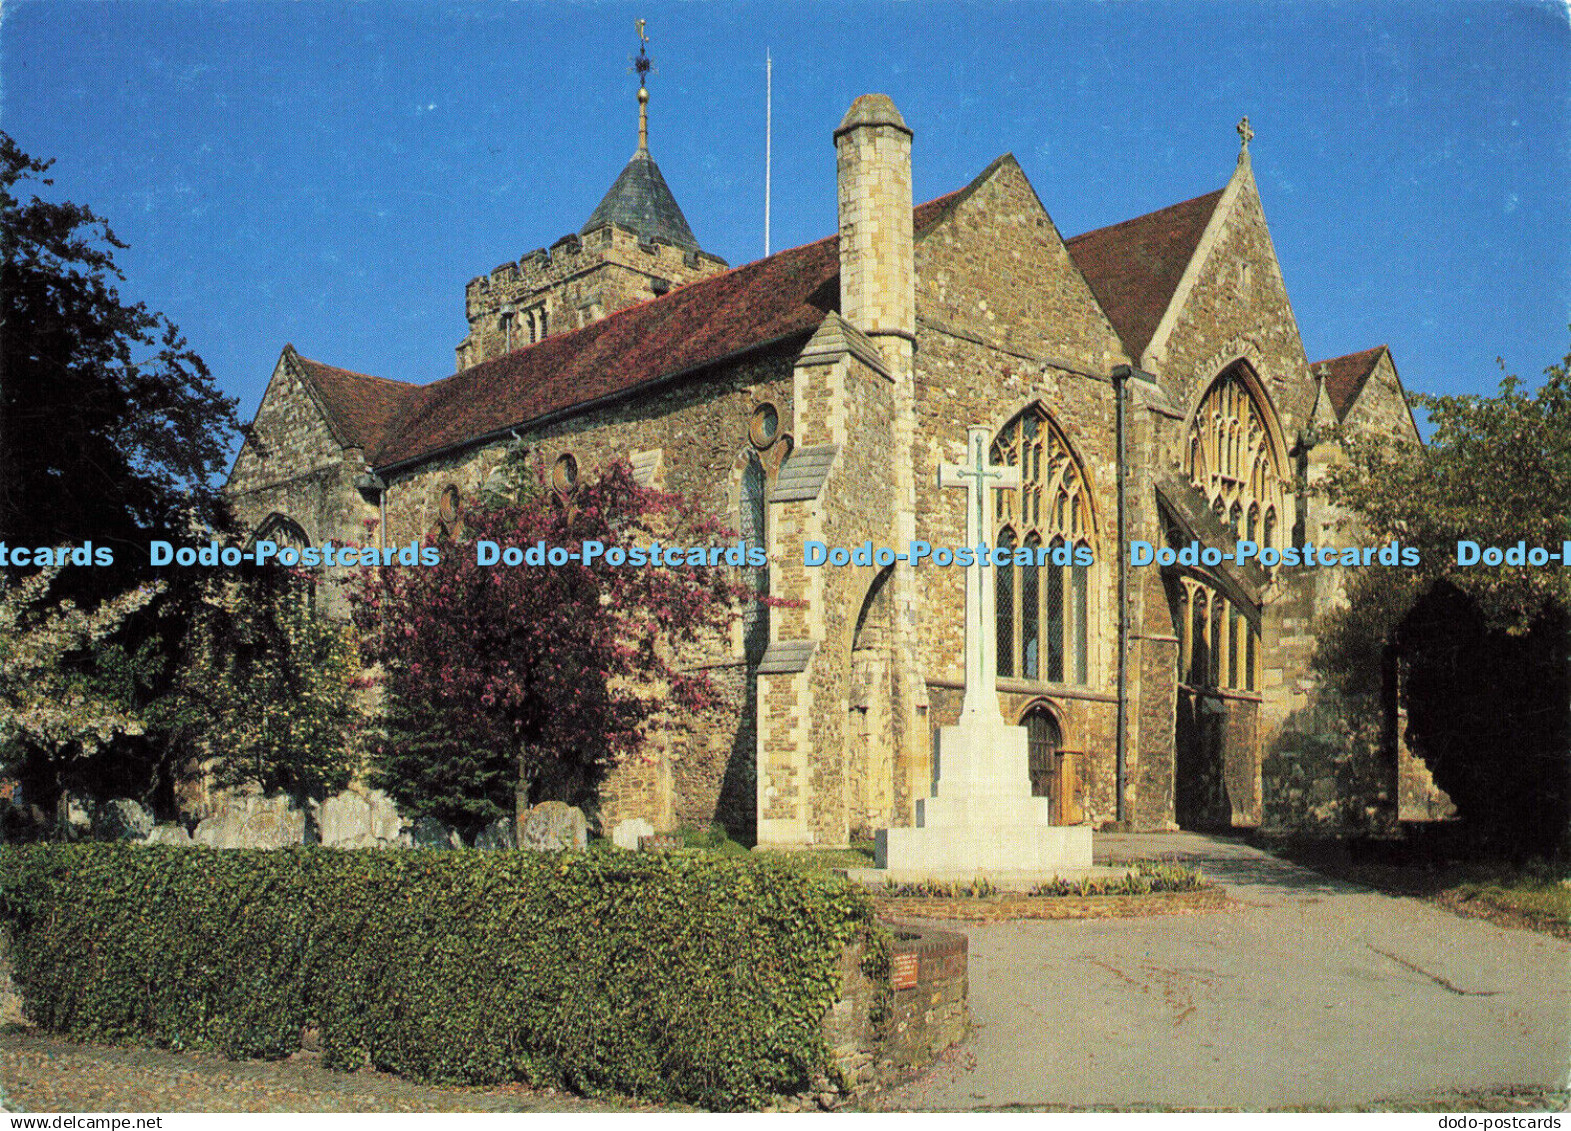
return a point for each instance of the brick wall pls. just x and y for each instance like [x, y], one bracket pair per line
[880, 1034]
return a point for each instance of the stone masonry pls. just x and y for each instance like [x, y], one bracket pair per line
[843, 373]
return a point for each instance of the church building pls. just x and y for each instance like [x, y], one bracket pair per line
[811, 396]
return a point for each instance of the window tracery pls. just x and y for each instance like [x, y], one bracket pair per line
[1042, 607]
[1233, 461]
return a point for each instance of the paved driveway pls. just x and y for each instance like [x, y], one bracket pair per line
[1312, 993]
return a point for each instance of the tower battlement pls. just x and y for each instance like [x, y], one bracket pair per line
[577, 280]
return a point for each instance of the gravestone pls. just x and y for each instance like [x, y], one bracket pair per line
[169, 834]
[253, 821]
[555, 826]
[498, 836]
[123, 819]
[75, 815]
[356, 819]
[982, 817]
[432, 833]
[627, 833]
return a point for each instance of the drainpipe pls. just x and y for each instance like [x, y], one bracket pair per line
[1121, 376]
[368, 482]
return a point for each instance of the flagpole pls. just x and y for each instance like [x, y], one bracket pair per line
[769, 94]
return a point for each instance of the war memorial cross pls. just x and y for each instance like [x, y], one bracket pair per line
[976, 475]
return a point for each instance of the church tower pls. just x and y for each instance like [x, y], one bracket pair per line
[635, 246]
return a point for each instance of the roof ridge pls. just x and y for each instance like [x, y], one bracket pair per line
[1217, 193]
[354, 372]
[751, 306]
[1351, 355]
[707, 280]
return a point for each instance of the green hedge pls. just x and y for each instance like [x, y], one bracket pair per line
[676, 977]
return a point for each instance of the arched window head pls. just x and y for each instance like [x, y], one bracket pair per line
[1231, 457]
[1042, 608]
[281, 530]
[1052, 498]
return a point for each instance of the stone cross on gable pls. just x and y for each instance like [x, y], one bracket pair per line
[977, 475]
[1245, 134]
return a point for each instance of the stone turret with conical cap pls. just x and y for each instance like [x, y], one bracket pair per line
[640, 199]
[637, 246]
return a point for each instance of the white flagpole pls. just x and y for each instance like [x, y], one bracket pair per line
[769, 95]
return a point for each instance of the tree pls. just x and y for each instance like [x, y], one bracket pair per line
[509, 684]
[262, 694]
[111, 428]
[1482, 646]
[48, 703]
[111, 431]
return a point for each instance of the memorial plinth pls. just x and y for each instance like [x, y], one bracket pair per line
[981, 819]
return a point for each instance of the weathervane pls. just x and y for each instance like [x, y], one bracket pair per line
[642, 65]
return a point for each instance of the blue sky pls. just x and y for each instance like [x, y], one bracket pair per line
[331, 174]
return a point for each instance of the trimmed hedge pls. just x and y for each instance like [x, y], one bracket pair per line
[666, 976]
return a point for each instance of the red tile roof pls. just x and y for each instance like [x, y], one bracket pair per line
[1346, 376]
[361, 408]
[767, 301]
[1134, 267]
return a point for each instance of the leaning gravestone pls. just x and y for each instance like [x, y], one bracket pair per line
[498, 836]
[628, 833]
[123, 819]
[555, 826]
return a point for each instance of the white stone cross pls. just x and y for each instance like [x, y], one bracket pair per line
[976, 475]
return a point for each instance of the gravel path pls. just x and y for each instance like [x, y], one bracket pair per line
[44, 1074]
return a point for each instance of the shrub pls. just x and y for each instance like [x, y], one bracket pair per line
[668, 976]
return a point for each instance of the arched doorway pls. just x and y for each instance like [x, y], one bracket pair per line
[1054, 770]
[870, 738]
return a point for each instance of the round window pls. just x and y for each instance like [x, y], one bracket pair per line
[447, 509]
[764, 426]
[564, 476]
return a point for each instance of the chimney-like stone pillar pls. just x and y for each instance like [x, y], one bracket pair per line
[877, 273]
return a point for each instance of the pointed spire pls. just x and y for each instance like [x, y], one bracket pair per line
[640, 199]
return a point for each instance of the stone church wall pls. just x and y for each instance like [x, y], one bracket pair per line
[295, 467]
[1004, 320]
[700, 769]
[1381, 409]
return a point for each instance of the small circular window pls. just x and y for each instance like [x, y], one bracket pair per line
[765, 425]
[564, 475]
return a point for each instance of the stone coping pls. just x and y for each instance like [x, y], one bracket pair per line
[1009, 880]
[1015, 906]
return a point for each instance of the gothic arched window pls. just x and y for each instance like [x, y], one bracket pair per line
[282, 531]
[1217, 645]
[1042, 605]
[1232, 459]
[755, 618]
